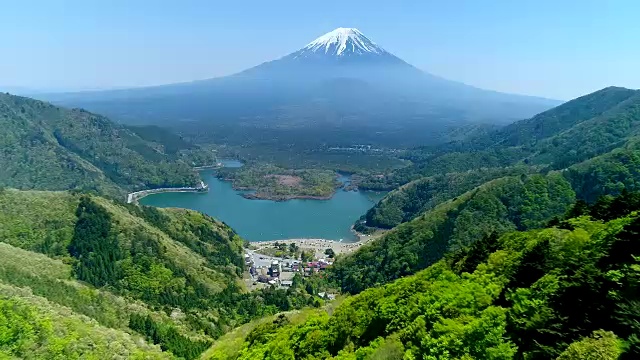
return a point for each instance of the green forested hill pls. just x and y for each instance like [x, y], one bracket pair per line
[568, 134]
[465, 272]
[505, 204]
[119, 274]
[569, 292]
[515, 202]
[552, 122]
[405, 203]
[50, 148]
[573, 132]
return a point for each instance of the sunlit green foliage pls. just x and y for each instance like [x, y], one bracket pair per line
[445, 225]
[171, 275]
[33, 328]
[541, 294]
[406, 202]
[602, 345]
[510, 203]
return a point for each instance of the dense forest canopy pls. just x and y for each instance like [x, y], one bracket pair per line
[513, 202]
[569, 292]
[170, 276]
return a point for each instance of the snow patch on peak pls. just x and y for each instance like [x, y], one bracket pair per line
[344, 40]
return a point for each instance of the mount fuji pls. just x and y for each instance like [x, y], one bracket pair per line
[340, 82]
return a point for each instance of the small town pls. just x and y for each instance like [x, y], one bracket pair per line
[279, 271]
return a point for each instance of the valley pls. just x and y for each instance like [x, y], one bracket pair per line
[260, 220]
[334, 203]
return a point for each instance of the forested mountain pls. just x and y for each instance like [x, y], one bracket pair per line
[340, 89]
[494, 287]
[408, 201]
[82, 276]
[507, 203]
[569, 292]
[51, 148]
[556, 139]
[570, 133]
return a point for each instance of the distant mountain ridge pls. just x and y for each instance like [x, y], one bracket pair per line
[577, 130]
[340, 80]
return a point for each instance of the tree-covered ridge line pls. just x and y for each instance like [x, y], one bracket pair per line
[607, 173]
[409, 200]
[172, 276]
[557, 139]
[499, 205]
[51, 148]
[573, 132]
[567, 292]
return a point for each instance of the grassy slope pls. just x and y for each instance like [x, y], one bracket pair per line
[228, 346]
[49, 330]
[33, 219]
[36, 228]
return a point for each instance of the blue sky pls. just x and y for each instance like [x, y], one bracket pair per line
[553, 48]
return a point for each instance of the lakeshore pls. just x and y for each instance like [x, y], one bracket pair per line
[263, 220]
[134, 197]
[318, 246]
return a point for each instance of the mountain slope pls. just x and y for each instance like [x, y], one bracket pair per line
[542, 294]
[408, 201]
[568, 134]
[522, 202]
[42, 305]
[558, 138]
[504, 204]
[47, 147]
[341, 80]
[172, 277]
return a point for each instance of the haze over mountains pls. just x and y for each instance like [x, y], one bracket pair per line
[341, 80]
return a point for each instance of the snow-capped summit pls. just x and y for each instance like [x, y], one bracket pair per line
[342, 79]
[341, 42]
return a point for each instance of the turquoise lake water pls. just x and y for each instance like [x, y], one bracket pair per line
[260, 220]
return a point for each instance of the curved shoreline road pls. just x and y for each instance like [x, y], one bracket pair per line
[137, 195]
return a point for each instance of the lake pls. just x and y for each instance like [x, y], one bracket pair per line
[260, 220]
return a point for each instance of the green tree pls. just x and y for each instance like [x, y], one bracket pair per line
[330, 253]
[94, 246]
[601, 345]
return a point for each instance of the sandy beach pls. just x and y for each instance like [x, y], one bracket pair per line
[319, 245]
